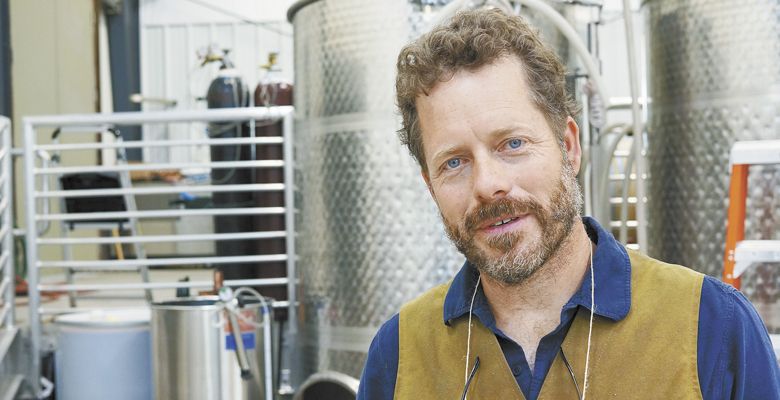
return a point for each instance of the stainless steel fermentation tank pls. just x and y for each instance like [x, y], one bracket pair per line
[714, 79]
[369, 236]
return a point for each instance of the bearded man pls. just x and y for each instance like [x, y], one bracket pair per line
[548, 304]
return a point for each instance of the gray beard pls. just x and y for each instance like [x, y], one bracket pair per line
[514, 265]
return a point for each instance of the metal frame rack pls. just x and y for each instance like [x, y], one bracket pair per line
[127, 203]
[35, 172]
[9, 381]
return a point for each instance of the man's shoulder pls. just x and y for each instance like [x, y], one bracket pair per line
[735, 352]
[381, 368]
[387, 335]
[728, 306]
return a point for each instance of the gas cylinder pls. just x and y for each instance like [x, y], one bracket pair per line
[272, 90]
[225, 91]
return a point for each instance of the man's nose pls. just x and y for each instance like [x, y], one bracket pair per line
[491, 179]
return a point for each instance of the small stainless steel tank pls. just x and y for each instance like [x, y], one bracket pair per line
[193, 350]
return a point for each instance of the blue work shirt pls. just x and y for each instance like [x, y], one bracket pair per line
[736, 359]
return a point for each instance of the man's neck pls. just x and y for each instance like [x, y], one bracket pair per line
[527, 311]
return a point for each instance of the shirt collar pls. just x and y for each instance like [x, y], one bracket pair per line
[612, 278]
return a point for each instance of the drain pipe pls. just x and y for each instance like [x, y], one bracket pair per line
[636, 115]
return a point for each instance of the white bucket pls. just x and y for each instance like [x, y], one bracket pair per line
[104, 355]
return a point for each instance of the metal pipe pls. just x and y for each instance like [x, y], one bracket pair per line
[159, 285]
[5, 257]
[159, 143]
[289, 201]
[156, 117]
[92, 216]
[617, 224]
[623, 103]
[163, 238]
[637, 117]
[241, 356]
[133, 264]
[6, 311]
[157, 167]
[268, 353]
[5, 230]
[257, 187]
[267, 345]
[57, 311]
[7, 264]
[3, 286]
[289, 357]
[34, 295]
[624, 197]
[609, 155]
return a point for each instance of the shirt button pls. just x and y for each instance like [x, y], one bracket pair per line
[516, 370]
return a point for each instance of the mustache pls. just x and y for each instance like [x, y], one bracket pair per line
[500, 208]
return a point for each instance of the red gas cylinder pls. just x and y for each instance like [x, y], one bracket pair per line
[272, 90]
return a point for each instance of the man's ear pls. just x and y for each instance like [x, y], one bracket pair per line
[571, 141]
[427, 180]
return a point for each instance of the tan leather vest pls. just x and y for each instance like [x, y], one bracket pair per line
[650, 354]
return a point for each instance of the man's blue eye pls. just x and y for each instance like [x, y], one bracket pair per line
[453, 163]
[515, 143]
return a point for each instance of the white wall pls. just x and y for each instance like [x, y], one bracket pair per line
[172, 32]
[53, 72]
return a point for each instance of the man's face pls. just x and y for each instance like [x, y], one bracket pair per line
[504, 184]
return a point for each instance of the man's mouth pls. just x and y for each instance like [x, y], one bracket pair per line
[503, 215]
[504, 221]
[504, 224]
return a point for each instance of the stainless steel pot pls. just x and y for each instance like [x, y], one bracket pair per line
[193, 350]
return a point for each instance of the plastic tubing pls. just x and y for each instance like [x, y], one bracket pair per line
[574, 39]
[624, 195]
[633, 72]
[560, 23]
[268, 348]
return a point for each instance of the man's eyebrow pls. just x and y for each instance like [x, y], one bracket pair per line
[514, 128]
[445, 154]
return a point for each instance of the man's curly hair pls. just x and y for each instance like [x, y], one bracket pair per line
[470, 40]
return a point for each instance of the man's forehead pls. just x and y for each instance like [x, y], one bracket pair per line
[515, 64]
[500, 84]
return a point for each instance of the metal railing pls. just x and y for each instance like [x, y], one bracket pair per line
[36, 194]
[7, 283]
[11, 375]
